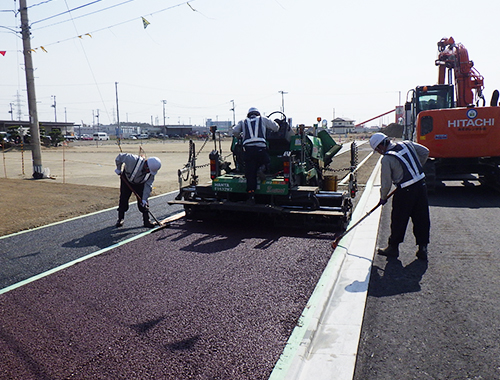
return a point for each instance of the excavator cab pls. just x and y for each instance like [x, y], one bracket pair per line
[433, 97]
[425, 98]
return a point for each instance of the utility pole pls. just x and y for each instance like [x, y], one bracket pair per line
[234, 116]
[11, 113]
[283, 100]
[36, 151]
[164, 119]
[55, 110]
[118, 130]
[18, 105]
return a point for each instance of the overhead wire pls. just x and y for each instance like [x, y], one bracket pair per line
[43, 2]
[120, 23]
[65, 12]
[90, 66]
[72, 19]
[85, 15]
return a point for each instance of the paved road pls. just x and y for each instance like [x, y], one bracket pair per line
[193, 301]
[206, 301]
[33, 252]
[441, 320]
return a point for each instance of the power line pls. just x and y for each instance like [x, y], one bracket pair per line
[88, 63]
[120, 23]
[43, 2]
[85, 15]
[68, 11]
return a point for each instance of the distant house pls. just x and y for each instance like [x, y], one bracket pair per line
[342, 125]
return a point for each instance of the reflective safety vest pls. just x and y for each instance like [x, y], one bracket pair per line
[412, 169]
[135, 176]
[254, 133]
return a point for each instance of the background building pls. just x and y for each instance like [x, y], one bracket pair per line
[342, 125]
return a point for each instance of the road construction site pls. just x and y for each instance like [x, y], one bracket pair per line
[82, 299]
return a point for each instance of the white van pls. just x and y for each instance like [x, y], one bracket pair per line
[101, 136]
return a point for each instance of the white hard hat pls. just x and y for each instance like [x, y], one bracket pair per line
[154, 164]
[376, 139]
[253, 110]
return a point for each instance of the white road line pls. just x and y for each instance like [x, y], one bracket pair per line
[77, 217]
[90, 255]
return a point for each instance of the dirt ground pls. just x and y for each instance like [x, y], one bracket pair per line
[83, 179]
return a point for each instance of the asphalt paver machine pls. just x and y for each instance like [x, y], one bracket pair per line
[298, 187]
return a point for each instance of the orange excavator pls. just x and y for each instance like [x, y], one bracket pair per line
[453, 122]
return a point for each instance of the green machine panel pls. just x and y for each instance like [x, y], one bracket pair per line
[238, 184]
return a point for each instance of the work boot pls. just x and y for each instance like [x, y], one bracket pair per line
[119, 222]
[390, 251]
[422, 252]
[149, 224]
[260, 173]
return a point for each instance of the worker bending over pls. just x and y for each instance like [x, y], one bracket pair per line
[402, 165]
[255, 154]
[137, 175]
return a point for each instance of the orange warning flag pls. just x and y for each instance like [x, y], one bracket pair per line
[3, 52]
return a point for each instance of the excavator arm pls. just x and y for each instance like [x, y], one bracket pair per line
[454, 58]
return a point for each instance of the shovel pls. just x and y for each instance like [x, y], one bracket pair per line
[336, 241]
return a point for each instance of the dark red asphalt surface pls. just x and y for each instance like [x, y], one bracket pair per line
[194, 301]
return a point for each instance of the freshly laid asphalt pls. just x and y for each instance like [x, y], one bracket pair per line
[219, 301]
[195, 300]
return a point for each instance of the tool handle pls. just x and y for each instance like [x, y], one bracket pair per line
[365, 216]
[139, 199]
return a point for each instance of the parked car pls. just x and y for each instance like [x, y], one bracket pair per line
[101, 136]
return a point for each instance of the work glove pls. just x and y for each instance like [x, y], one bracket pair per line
[118, 171]
[382, 201]
[145, 203]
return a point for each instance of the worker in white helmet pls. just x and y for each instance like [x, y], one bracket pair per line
[253, 132]
[402, 165]
[137, 175]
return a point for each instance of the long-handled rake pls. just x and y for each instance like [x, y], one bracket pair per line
[336, 241]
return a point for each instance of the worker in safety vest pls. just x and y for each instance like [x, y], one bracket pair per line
[253, 131]
[137, 175]
[402, 165]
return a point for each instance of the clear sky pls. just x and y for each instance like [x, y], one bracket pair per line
[353, 59]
